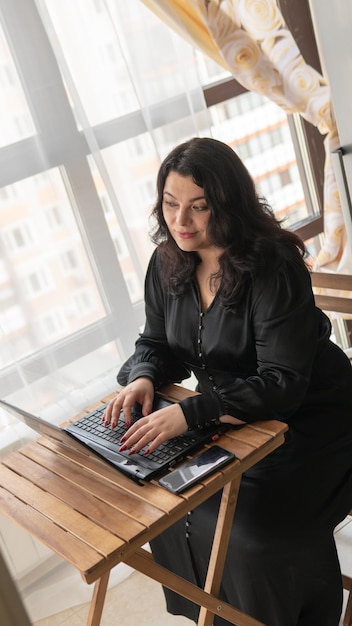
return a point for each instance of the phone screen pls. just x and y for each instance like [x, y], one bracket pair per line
[192, 471]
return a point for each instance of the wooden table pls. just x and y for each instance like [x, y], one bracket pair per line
[94, 517]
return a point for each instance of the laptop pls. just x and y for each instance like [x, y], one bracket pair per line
[90, 432]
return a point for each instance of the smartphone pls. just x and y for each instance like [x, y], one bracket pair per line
[191, 472]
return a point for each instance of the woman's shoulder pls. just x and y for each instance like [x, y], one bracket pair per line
[154, 264]
[284, 261]
[284, 274]
[155, 275]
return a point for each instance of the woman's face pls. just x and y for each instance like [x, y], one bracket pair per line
[186, 214]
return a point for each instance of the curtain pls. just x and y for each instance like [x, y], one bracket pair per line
[251, 40]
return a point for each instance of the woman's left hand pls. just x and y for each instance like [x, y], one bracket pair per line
[153, 430]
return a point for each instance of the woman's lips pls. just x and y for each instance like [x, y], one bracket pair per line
[185, 235]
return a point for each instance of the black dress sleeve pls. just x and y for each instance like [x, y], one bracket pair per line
[152, 356]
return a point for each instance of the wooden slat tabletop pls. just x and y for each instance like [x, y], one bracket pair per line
[95, 517]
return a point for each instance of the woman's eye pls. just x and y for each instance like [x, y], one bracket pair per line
[170, 204]
[199, 208]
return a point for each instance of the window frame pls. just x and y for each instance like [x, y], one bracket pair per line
[313, 226]
[67, 149]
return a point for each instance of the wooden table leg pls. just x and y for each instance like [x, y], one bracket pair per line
[97, 601]
[219, 548]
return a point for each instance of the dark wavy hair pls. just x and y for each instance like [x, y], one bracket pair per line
[241, 223]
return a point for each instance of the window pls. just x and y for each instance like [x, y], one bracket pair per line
[18, 238]
[87, 114]
[54, 217]
[70, 262]
[39, 282]
[52, 325]
[84, 302]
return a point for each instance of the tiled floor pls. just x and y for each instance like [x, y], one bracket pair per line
[138, 600]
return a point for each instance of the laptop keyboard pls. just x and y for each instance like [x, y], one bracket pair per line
[93, 428]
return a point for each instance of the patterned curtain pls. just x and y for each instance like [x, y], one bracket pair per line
[250, 39]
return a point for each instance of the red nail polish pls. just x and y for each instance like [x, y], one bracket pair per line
[122, 448]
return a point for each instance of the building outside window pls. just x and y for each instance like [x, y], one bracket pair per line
[93, 96]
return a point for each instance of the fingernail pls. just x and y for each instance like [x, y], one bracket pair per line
[132, 451]
[128, 424]
[122, 448]
[146, 451]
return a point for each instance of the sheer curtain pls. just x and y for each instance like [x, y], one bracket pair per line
[250, 39]
[89, 107]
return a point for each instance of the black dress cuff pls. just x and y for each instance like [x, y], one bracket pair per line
[149, 370]
[202, 410]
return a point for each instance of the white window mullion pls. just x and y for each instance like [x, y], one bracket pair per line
[60, 143]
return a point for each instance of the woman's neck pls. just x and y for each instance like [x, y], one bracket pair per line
[207, 285]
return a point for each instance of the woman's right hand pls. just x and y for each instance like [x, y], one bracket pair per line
[140, 390]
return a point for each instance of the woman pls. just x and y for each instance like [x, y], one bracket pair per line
[228, 297]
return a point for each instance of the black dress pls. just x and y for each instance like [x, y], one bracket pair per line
[273, 360]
